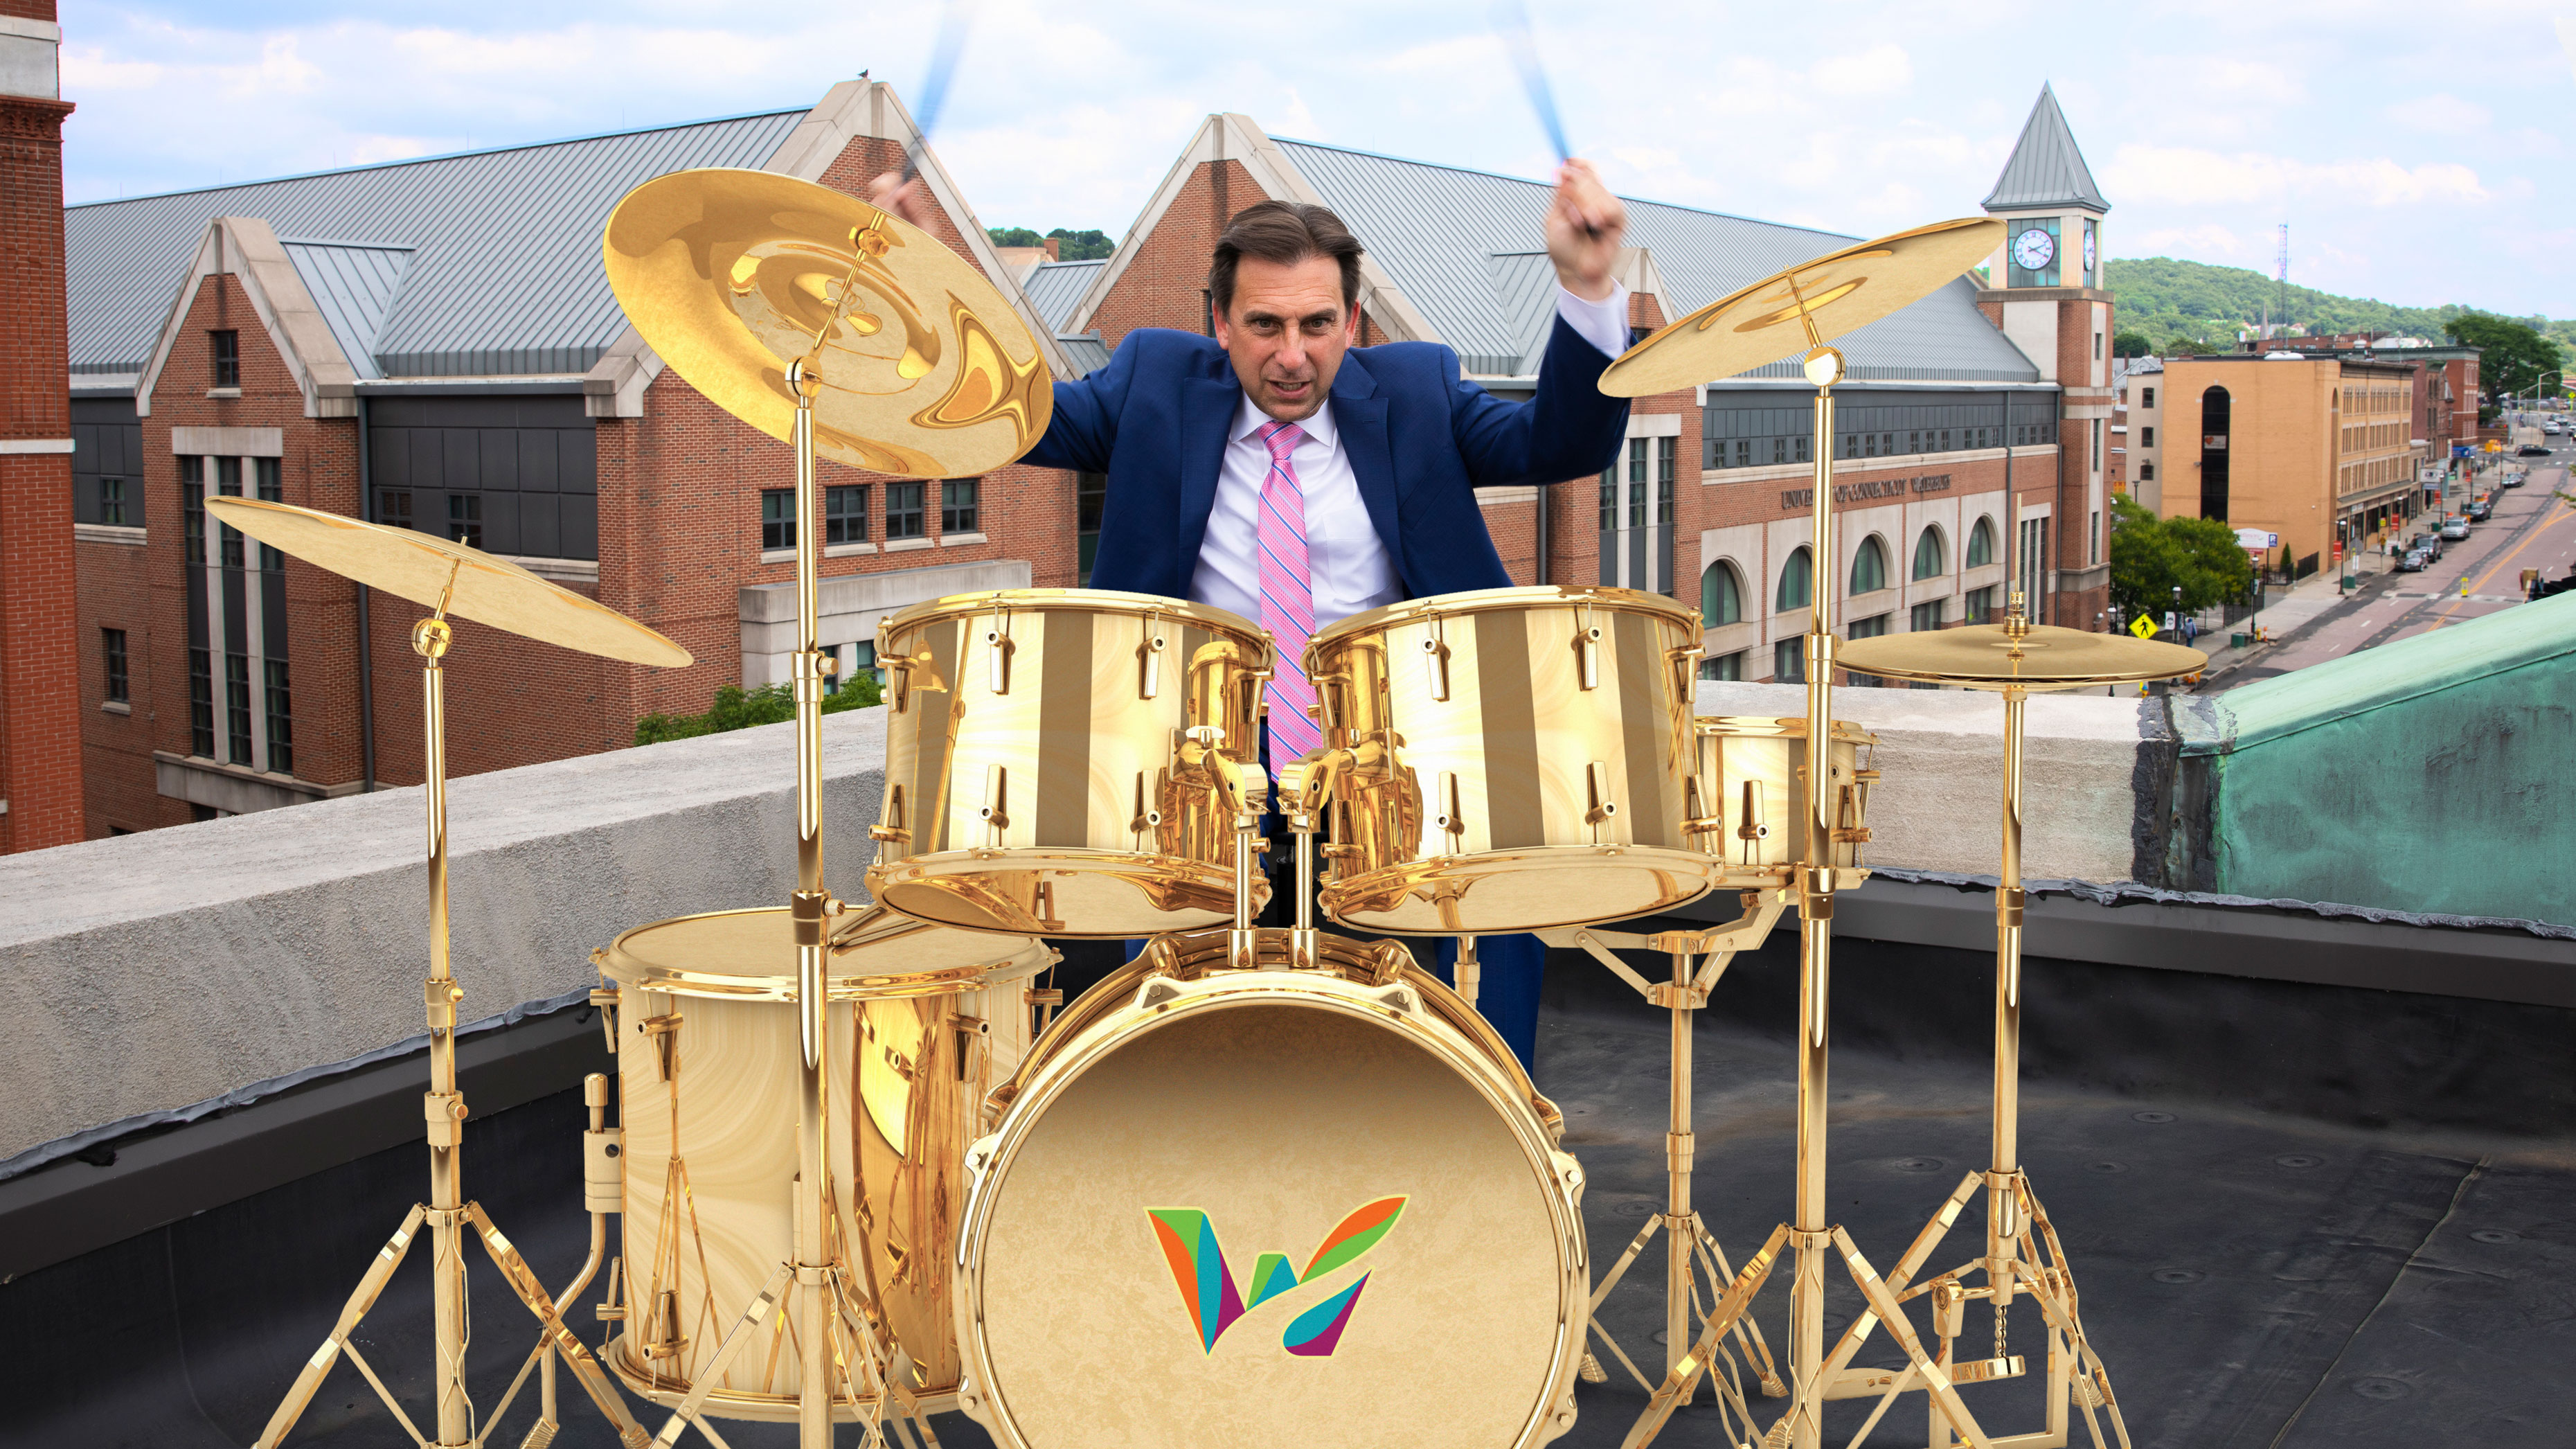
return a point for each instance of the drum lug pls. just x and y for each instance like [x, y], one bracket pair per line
[996, 810]
[1160, 991]
[1397, 998]
[1587, 648]
[605, 999]
[1435, 659]
[1451, 819]
[1149, 654]
[998, 647]
[1601, 807]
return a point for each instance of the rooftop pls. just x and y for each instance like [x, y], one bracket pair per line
[2046, 167]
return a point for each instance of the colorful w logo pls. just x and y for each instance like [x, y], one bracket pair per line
[1207, 1284]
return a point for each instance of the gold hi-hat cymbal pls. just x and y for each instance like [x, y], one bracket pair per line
[434, 573]
[731, 275]
[1990, 656]
[1838, 292]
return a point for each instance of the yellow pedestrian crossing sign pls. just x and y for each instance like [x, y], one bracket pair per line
[2144, 626]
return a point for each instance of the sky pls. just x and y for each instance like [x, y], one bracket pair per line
[2416, 155]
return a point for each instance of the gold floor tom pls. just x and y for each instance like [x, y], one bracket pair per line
[1271, 1209]
[1510, 759]
[1048, 761]
[924, 1020]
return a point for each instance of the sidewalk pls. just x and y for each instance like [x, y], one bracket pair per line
[2285, 614]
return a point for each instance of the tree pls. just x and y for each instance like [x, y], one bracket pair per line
[737, 708]
[1082, 246]
[1014, 236]
[2150, 555]
[2131, 344]
[2513, 355]
[2185, 347]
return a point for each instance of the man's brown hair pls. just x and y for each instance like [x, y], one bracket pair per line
[1284, 233]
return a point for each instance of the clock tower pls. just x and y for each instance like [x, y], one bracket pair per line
[2044, 289]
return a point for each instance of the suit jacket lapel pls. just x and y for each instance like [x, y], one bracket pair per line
[1359, 416]
[1208, 407]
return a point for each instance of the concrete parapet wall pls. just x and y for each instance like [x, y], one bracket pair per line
[152, 971]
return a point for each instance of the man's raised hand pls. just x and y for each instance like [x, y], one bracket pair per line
[907, 199]
[1584, 224]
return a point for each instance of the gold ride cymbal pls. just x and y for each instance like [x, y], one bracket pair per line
[731, 275]
[1838, 292]
[466, 582]
[1985, 656]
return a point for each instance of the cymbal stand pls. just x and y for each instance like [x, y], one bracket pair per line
[447, 1214]
[1690, 1248]
[1809, 1233]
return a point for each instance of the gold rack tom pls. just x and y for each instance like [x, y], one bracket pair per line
[924, 1018]
[1509, 760]
[1749, 791]
[1051, 761]
[1258, 1208]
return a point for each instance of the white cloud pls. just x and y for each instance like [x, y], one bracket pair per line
[2193, 177]
[2441, 113]
[1879, 70]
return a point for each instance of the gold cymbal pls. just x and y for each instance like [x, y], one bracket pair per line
[431, 571]
[1839, 291]
[1984, 656]
[730, 275]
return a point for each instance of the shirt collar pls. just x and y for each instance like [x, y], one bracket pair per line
[1318, 429]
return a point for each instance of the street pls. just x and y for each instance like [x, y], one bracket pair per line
[2531, 529]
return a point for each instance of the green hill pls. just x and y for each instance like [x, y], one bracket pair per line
[2167, 299]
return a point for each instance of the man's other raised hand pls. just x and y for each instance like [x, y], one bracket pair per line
[1584, 225]
[907, 199]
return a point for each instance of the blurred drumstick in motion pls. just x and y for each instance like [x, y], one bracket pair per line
[1511, 23]
[954, 21]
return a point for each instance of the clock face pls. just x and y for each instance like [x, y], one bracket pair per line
[2089, 252]
[2033, 250]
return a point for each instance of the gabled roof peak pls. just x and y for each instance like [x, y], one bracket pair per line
[2046, 169]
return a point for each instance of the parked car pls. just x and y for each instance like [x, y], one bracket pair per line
[2428, 544]
[2455, 529]
[2531, 450]
[2413, 561]
[2482, 510]
[2513, 480]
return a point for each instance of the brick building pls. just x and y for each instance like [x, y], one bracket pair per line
[41, 700]
[433, 344]
[2320, 449]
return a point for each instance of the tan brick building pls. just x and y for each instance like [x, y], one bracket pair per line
[2316, 449]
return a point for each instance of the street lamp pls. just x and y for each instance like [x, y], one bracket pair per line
[2177, 591]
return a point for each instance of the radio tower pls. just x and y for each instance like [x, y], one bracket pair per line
[2281, 271]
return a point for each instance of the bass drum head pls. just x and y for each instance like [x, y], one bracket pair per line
[1273, 1221]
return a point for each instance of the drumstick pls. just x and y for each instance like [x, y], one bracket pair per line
[1511, 23]
[953, 24]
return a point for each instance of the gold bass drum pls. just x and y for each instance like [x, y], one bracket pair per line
[923, 1019]
[1049, 761]
[1271, 1209]
[1510, 759]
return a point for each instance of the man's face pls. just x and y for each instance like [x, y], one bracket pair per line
[1287, 331]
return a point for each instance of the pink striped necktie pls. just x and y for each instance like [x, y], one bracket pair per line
[1287, 597]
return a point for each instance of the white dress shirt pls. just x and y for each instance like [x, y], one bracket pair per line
[1346, 562]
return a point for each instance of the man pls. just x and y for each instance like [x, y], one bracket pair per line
[1281, 472]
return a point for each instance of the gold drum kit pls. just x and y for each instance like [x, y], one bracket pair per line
[871, 1167]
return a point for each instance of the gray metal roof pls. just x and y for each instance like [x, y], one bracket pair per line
[2046, 169]
[503, 273]
[1084, 351]
[1055, 286]
[1460, 244]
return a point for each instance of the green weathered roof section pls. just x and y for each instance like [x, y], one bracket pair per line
[2430, 774]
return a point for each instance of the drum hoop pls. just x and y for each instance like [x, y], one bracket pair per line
[1762, 726]
[1519, 599]
[990, 1158]
[1074, 601]
[622, 966]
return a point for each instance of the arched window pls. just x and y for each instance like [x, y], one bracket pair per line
[1721, 598]
[1795, 576]
[1869, 566]
[1981, 544]
[1927, 554]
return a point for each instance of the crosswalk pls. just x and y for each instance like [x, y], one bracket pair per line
[2446, 594]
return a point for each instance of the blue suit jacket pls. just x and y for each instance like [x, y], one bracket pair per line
[1421, 439]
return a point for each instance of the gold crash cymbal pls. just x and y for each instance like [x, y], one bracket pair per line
[730, 275]
[1986, 656]
[1839, 291]
[430, 571]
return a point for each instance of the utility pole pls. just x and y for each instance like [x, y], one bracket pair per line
[2281, 269]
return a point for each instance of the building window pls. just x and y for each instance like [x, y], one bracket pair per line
[1981, 544]
[264, 476]
[281, 720]
[1724, 666]
[777, 518]
[192, 508]
[957, 511]
[111, 501]
[227, 358]
[201, 705]
[2094, 532]
[2146, 472]
[845, 514]
[2147, 436]
[854, 657]
[1721, 598]
[2146, 397]
[228, 484]
[1927, 617]
[1665, 449]
[393, 508]
[1979, 606]
[1927, 555]
[1090, 501]
[1610, 498]
[1789, 661]
[465, 519]
[903, 511]
[1869, 628]
[1795, 580]
[2097, 445]
[111, 643]
[1869, 568]
[237, 707]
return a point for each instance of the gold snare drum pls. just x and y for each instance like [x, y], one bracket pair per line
[1247, 1208]
[925, 1019]
[1048, 761]
[1751, 781]
[1510, 759]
